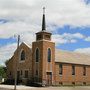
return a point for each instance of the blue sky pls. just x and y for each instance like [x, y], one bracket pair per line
[81, 43]
[87, 1]
[65, 46]
[68, 20]
[4, 42]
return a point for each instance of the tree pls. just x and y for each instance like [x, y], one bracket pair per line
[2, 72]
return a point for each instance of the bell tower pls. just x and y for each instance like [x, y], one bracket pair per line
[43, 56]
[43, 35]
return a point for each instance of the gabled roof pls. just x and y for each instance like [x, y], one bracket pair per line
[68, 57]
[71, 57]
[23, 43]
[28, 45]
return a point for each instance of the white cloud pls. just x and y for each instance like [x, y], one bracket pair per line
[24, 18]
[75, 35]
[11, 28]
[73, 41]
[58, 39]
[87, 39]
[28, 38]
[78, 35]
[6, 52]
[25, 15]
[67, 38]
[83, 50]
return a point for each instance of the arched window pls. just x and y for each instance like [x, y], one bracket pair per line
[23, 55]
[49, 55]
[37, 55]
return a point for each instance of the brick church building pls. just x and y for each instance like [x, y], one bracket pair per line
[43, 64]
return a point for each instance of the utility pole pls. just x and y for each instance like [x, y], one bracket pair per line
[18, 40]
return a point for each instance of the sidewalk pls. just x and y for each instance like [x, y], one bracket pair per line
[22, 87]
[19, 87]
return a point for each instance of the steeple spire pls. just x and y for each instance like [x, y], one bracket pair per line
[43, 20]
[43, 34]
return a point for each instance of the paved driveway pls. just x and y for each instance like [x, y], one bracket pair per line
[10, 87]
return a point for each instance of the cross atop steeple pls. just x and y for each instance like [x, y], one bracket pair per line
[43, 34]
[43, 20]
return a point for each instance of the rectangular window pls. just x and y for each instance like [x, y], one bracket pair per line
[84, 83]
[47, 36]
[49, 55]
[37, 55]
[26, 74]
[37, 72]
[60, 69]
[73, 83]
[39, 37]
[18, 74]
[21, 72]
[10, 73]
[84, 71]
[73, 70]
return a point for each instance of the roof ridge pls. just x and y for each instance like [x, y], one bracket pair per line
[73, 52]
[30, 46]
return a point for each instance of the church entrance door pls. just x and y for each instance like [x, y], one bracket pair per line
[49, 78]
[18, 77]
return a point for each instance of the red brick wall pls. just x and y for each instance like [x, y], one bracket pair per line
[67, 78]
[44, 66]
[21, 65]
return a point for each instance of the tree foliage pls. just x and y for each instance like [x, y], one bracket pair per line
[2, 72]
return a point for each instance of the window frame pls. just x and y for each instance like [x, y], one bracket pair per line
[22, 55]
[36, 72]
[37, 56]
[73, 69]
[60, 69]
[26, 73]
[21, 72]
[84, 70]
[49, 54]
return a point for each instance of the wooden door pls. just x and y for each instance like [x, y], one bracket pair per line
[49, 78]
[18, 75]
